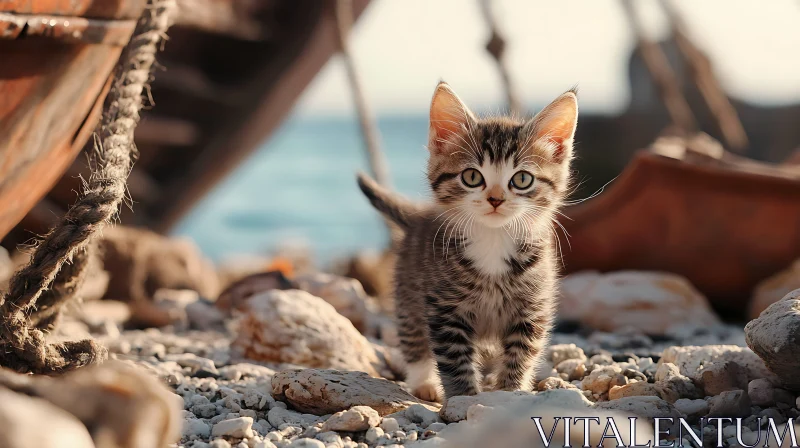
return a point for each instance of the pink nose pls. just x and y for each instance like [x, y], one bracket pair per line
[495, 202]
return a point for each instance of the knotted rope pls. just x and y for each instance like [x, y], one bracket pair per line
[22, 323]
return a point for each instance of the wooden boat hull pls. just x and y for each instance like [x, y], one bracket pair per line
[724, 230]
[54, 75]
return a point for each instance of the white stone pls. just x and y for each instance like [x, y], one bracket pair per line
[651, 302]
[373, 434]
[389, 425]
[357, 418]
[240, 427]
[294, 327]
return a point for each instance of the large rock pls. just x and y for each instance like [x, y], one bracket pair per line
[141, 262]
[456, 408]
[345, 294]
[321, 392]
[775, 337]
[692, 360]
[651, 302]
[297, 328]
[774, 289]
[509, 424]
[121, 405]
[34, 422]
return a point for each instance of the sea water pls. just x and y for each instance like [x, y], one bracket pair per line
[300, 187]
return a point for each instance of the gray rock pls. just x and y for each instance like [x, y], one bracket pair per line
[307, 443]
[692, 360]
[323, 392]
[421, 415]
[692, 408]
[195, 427]
[773, 336]
[723, 376]
[731, 403]
[668, 375]
[278, 417]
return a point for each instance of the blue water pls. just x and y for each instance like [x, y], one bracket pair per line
[300, 186]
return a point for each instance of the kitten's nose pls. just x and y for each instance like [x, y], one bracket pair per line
[495, 202]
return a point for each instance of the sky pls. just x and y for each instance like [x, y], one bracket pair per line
[404, 47]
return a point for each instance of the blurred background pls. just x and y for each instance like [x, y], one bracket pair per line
[262, 111]
[298, 185]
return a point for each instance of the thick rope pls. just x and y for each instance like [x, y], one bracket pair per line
[22, 344]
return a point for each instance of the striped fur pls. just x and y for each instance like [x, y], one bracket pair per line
[473, 279]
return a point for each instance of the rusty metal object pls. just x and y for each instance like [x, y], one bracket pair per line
[65, 29]
[52, 86]
[723, 229]
[100, 9]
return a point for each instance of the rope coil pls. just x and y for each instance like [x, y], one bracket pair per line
[22, 323]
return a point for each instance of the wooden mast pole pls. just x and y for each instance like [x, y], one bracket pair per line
[703, 75]
[663, 76]
[496, 46]
[366, 118]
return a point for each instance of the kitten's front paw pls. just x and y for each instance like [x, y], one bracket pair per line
[427, 392]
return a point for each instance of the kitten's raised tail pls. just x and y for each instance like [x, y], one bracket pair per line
[396, 208]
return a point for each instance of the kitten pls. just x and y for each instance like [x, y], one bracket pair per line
[477, 268]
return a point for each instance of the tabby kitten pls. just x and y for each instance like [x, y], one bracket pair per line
[476, 270]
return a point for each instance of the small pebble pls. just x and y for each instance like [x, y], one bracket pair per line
[389, 425]
[373, 434]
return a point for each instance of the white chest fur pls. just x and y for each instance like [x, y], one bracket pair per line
[488, 249]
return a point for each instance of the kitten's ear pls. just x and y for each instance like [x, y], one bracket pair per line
[449, 115]
[556, 125]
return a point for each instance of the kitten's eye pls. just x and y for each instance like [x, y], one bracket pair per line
[472, 178]
[522, 180]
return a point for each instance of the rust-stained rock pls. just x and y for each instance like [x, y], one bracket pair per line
[774, 289]
[297, 328]
[322, 392]
[651, 302]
